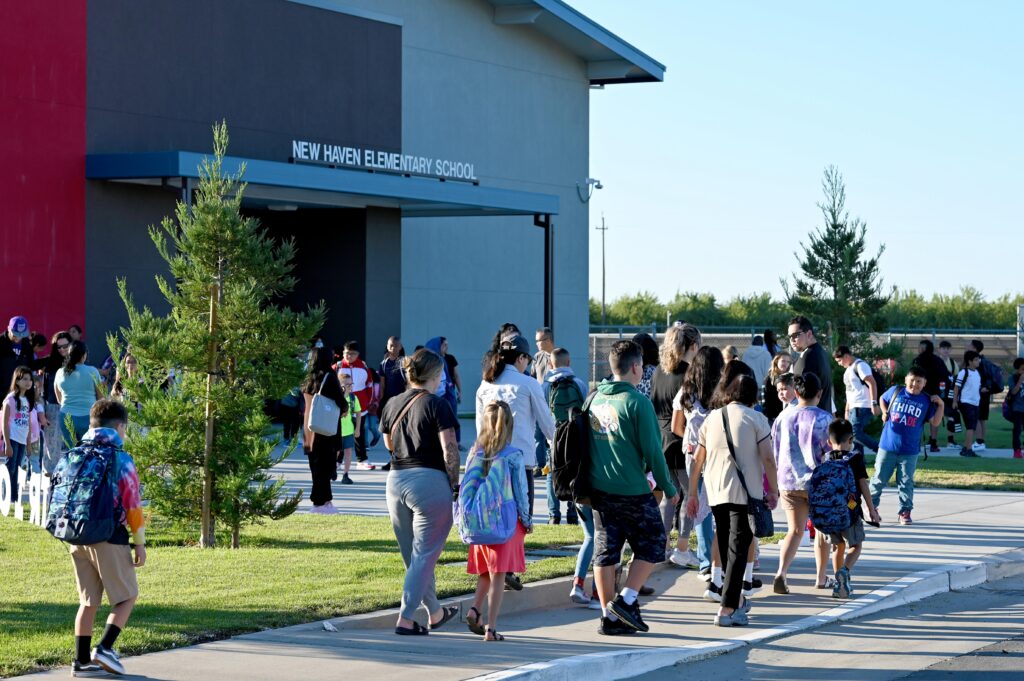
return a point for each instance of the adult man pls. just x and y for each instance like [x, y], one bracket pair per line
[15, 350]
[545, 340]
[952, 417]
[991, 384]
[935, 372]
[362, 388]
[107, 566]
[861, 396]
[624, 445]
[813, 358]
[758, 358]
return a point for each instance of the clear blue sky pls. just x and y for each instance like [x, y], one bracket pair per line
[711, 178]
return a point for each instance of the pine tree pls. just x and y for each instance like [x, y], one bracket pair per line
[201, 446]
[838, 286]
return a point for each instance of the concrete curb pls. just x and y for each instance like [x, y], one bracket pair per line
[628, 663]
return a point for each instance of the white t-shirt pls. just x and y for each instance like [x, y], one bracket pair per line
[20, 419]
[858, 394]
[970, 386]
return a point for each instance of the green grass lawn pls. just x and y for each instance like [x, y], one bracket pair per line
[300, 569]
[1006, 475]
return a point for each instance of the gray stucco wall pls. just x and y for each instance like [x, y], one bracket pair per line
[517, 104]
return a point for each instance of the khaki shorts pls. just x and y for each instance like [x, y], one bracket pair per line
[104, 567]
[794, 501]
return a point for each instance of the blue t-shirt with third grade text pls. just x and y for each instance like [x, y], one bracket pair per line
[907, 416]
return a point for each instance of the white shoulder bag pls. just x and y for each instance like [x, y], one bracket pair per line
[324, 413]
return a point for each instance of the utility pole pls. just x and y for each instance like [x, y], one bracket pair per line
[602, 229]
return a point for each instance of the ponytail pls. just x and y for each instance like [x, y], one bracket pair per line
[76, 355]
[495, 433]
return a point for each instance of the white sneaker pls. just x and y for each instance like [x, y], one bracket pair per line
[108, 659]
[328, 509]
[952, 445]
[594, 604]
[364, 466]
[684, 559]
[578, 596]
[978, 446]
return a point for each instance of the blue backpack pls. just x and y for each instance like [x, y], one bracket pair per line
[486, 512]
[84, 505]
[832, 495]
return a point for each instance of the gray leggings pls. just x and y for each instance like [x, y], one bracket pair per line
[675, 516]
[420, 506]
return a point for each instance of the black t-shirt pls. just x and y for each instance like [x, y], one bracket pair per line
[814, 360]
[934, 369]
[416, 441]
[859, 470]
[664, 387]
[771, 403]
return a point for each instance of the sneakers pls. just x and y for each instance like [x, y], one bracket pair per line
[646, 590]
[705, 574]
[979, 446]
[842, 587]
[684, 559]
[513, 582]
[1018, 454]
[572, 520]
[87, 670]
[713, 593]
[752, 587]
[386, 467]
[968, 452]
[578, 595]
[952, 445]
[345, 480]
[595, 603]
[905, 518]
[365, 466]
[616, 628]
[108, 659]
[630, 614]
[779, 585]
[738, 618]
[554, 520]
[933, 447]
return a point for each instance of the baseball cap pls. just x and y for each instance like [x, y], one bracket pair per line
[18, 326]
[516, 343]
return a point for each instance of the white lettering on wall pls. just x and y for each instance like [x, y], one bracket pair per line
[379, 160]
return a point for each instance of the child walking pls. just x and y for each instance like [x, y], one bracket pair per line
[351, 421]
[21, 418]
[492, 561]
[967, 399]
[847, 544]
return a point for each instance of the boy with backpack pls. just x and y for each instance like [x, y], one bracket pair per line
[991, 385]
[94, 495]
[967, 399]
[563, 392]
[835, 491]
[905, 410]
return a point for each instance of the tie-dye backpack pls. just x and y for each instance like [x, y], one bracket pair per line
[486, 512]
[84, 505]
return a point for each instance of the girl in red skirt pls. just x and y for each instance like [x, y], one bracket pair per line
[492, 561]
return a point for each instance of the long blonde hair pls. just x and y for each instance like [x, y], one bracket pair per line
[496, 433]
[678, 339]
[776, 370]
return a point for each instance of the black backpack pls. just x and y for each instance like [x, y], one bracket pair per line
[570, 456]
[991, 377]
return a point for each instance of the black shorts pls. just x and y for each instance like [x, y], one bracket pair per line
[970, 414]
[986, 402]
[635, 520]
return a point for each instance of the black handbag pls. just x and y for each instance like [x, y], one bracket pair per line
[760, 515]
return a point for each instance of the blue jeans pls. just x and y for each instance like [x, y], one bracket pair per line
[705, 536]
[15, 455]
[904, 465]
[542, 447]
[860, 418]
[586, 554]
[554, 510]
[80, 425]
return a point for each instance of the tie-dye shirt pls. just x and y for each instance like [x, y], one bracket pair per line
[800, 441]
[127, 482]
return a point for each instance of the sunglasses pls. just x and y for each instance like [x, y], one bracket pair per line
[794, 336]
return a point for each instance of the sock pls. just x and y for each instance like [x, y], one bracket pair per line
[110, 635]
[82, 653]
[628, 595]
[748, 572]
[716, 575]
[578, 582]
[608, 614]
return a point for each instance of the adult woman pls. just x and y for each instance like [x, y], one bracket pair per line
[651, 359]
[504, 380]
[52, 449]
[677, 351]
[771, 343]
[734, 451]
[419, 431]
[691, 407]
[770, 402]
[800, 437]
[77, 386]
[730, 353]
[322, 450]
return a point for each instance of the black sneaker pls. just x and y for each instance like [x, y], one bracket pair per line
[750, 588]
[572, 520]
[967, 452]
[646, 590]
[108, 659]
[713, 594]
[616, 628]
[513, 582]
[554, 520]
[386, 467]
[630, 614]
[345, 480]
[88, 670]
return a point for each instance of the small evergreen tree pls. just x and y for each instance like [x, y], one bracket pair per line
[838, 286]
[227, 347]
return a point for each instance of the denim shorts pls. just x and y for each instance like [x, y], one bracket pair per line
[348, 442]
[635, 520]
[969, 412]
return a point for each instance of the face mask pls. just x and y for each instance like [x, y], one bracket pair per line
[319, 344]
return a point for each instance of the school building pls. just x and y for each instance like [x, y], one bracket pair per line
[429, 157]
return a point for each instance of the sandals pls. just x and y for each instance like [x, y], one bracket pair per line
[779, 585]
[474, 622]
[416, 629]
[447, 613]
[492, 635]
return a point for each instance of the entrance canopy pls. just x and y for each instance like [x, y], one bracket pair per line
[286, 186]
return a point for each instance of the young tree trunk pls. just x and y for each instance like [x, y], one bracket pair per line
[236, 537]
[206, 536]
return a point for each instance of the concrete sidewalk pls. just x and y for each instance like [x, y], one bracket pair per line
[950, 527]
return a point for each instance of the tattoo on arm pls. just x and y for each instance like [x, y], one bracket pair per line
[451, 460]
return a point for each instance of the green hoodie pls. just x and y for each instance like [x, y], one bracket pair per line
[625, 442]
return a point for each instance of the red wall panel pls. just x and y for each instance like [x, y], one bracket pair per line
[42, 162]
